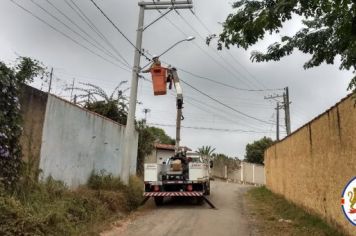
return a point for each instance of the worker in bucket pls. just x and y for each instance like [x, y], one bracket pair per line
[155, 63]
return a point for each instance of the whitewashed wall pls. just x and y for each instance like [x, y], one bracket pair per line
[75, 142]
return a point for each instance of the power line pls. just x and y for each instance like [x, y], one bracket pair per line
[84, 32]
[212, 129]
[206, 53]
[92, 26]
[228, 52]
[227, 85]
[218, 82]
[213, 109]
[66, 35]
[75, 32]
[117, 28]
[195, 44]
[229, 66]
[223, 104]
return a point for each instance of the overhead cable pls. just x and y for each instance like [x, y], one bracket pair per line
[223, 104]
[92, 26]
[118, 29]
[67, 36]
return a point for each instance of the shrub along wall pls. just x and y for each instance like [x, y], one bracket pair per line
[312, 166]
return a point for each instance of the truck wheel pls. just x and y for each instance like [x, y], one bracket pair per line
[199, 200]
[159, 201]
[207, 191]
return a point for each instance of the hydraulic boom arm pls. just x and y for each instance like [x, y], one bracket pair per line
[179, 91]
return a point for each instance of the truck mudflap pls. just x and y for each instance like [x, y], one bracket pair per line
[173, 194]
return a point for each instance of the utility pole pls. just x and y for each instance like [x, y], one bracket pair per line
[285, 106]
[71, 91]
[277, 129]
[287, 110]
[146, 110]
[89, 94]
[130, 124]
[278, 107]
[50, 80]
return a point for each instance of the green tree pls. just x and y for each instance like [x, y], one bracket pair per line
[113, 106]
[145, 144]
[161, 136]
[146, 139]
[329, 30]
[11, 81]
[206, 150]
[255, 151]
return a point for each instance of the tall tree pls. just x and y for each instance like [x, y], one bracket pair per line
[255, 151]
[329, 30]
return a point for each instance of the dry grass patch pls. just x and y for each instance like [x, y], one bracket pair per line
[273, 215]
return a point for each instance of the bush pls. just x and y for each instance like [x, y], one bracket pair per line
[103, 181]
[134, 193]
[107, 185]
[50, 208]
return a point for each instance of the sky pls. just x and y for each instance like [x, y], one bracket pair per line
[216, 122]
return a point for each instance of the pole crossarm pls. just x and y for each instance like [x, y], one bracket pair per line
[187, 6]
[165, 3]
[160, 17]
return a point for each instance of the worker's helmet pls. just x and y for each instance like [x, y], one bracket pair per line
[155, 57]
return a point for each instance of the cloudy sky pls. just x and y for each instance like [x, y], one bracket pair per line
[79, 53]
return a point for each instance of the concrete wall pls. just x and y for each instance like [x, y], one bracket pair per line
[33, 108]
[252, 173]
[312, 166]
[240, 172]
[76, 141]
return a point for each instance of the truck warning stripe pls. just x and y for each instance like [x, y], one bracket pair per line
[173, 194]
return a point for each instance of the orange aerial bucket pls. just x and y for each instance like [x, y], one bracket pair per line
[159, 80]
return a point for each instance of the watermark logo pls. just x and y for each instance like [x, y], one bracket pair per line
[348, 201]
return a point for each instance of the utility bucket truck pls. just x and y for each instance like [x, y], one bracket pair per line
[184, 174]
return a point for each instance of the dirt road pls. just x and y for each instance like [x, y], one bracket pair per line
[177, 218]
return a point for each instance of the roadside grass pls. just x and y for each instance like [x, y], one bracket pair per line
[274, 215]
[50, 208]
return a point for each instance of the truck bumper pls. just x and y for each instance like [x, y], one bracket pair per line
[173, 194]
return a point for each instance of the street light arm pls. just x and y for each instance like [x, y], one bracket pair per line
[187, 39]
[171, 47]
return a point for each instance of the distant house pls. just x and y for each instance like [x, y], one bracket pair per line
[161, 152]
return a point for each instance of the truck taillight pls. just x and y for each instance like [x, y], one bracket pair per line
[156, 188]
[190, 187]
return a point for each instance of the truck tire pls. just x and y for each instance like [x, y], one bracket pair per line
[158, 201]
[207, 187]
[199, 200]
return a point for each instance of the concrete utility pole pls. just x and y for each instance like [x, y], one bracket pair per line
[50, 81]
[277, 129]
[284, 106]
[146, 111]
[71, 91]
[130, 124]
[286, 109]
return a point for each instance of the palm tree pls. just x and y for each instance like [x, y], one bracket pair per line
[206, 150]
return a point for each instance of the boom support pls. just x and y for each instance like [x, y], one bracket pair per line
[179, 104]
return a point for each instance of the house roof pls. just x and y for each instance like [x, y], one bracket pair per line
[169, 147]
